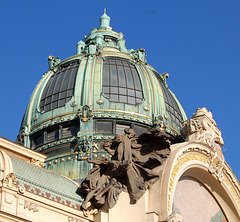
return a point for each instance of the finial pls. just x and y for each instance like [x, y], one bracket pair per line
[104, 20]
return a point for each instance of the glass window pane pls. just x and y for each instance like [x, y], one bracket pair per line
[139, 94]
[104, 127]
[123, 91]
[123, 99]
[62, 95]
[54, 105]
[123, 79]
[50, 90]
[131, 92]
[105, 75]
[131, 100]
[111, 61]
[46, 88]
[60, 85]
[47, 107]
[113, 76]
[170, 103]
[42, 103]
[105, 89]
[138, 100]
[68, 99]
[119, 63]
[61, 102]
[55, 97]
[136, 79]
[114, 98]
[125, 64]
[72, 78]
[114, 90]
[48, 100]
[121, 76]
[107, 95]
[69, 92]
[65, 80]
[129, 78]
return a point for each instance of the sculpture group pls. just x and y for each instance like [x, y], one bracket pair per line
[133, 167]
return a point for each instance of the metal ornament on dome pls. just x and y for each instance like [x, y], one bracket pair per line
[102, 39]
[104, 21]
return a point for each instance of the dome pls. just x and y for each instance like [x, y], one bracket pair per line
[94, 95]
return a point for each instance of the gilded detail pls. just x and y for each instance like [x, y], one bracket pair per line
[179, 164]
[230, 187]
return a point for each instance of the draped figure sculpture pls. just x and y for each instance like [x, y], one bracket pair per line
[133, 167]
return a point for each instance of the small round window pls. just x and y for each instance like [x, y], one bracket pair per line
[121, 82]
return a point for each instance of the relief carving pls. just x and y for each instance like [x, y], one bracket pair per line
[36, 162]
[132, 168]
[216, 165]
[202, 128]
[10, 180]
[72, 219]
[31, 206]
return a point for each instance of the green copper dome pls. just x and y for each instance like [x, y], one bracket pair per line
[94, 95]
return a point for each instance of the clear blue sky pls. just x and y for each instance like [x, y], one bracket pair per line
[196, 42]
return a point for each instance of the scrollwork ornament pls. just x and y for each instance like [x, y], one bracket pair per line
[10, 180]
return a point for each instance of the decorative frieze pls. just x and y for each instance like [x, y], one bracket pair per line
[72, 219]
[31, 206]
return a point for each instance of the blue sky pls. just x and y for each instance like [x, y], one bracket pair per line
[196, 42]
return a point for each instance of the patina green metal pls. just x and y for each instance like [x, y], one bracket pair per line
[68, 156]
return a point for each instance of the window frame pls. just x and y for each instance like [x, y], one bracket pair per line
[114, 88]
[60, 87]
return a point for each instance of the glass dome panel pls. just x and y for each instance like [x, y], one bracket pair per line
[170, 103]
[60, 87]
[121, 82]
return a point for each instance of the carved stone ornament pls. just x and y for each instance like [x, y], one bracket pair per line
[31, 206]
[133, 167]
[175, 217]
[10, 180]
[37, 162]
[72, 219]
[216, 165]
[202, 128]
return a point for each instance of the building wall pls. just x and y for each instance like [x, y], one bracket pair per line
[194, 202]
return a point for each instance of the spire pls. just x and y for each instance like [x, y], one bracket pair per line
[104, 20]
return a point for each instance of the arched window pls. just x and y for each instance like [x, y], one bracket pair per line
[170, 102]
[60, 87]
[121, 82]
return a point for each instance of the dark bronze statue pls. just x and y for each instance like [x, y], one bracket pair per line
[132, 168]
